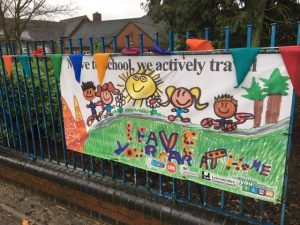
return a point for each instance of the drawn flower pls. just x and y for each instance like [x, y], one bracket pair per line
[120, 102]
[153, 102]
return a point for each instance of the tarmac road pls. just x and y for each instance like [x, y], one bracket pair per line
[17, 205]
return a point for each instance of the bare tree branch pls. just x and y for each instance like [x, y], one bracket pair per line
[15, 14]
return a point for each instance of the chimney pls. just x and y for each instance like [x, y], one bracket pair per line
[97, 16]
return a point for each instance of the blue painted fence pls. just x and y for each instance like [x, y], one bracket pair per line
[31, 122]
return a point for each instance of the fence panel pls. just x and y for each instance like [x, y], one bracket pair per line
[31, 122]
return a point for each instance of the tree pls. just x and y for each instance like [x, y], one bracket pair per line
[194, 15]
[275, 87]
[15, 15]
[255, 93]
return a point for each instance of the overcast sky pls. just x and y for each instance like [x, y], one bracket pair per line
[110, 9]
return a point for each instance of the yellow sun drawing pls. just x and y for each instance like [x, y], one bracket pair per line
[141, 85]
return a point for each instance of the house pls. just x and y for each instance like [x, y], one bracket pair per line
[120, 29]
[83, 28]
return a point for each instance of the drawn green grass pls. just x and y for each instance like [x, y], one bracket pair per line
[268, 148]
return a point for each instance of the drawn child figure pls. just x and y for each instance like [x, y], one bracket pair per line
[182, 99]
[106, 92]
[89, 93]
[225, 107]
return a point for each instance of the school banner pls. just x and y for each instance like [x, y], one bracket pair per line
[183, 116]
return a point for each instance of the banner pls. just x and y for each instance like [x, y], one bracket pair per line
[181, 116]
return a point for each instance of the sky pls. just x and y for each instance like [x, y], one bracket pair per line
[110, 9]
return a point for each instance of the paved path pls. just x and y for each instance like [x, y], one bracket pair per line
[17, 205]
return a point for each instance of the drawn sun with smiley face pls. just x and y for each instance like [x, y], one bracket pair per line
[140, 86]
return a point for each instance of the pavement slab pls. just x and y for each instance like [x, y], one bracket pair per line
[18, 205]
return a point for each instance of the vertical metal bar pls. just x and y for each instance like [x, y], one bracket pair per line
[92, 161]
[189, 190]
[54, 131]
[292, 118]
[13, 96]
[112, 167]
[241, 205]
[70, 46]
[261, 210]
[141, 38]
[52, 47]
[171, 40]
[2, 134]
[249, 35]
[82, 156]
[134, 176]
[93, 165]
[73, 153]
[102, 167]
[222, 199]
[204, 191]
[127, 41]
[160, 181]
[147, 179]
[124, 174]
[43, 102]
[34, 100]
[227, 35]
[9, 106]
[103, 44]
[58, 99]
[187, 36]
[91, 42]
[20, 98]
[33, 150]
[175, 189]
[273, 34]
[4, 114]
[80, 45]
[206, 33]
[156, 38]
[298, 36]
[115, 47]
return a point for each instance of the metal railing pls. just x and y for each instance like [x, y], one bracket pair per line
[31, 122]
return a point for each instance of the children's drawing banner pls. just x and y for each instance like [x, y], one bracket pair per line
[181, 116]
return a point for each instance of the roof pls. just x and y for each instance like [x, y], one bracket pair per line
[110, 28]
[42, 30]
[71, 24]
[82, 27]
[97, 29]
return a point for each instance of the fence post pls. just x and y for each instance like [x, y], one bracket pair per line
[102, 44]
[187, 36]
[249, 35]
[206, 33]
[227, 33]
[298, 37]
[115, 47]
[141, 38]
[80, 45]
[273, 34]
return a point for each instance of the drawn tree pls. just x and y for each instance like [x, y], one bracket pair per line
[255, 93]
[275, 87]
